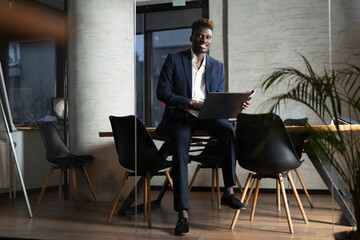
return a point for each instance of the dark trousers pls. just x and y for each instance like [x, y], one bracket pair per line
[180, 138]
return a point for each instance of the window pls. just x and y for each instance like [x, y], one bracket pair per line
[32, 80]
[161, 29]
[163, 43]
[34, 65]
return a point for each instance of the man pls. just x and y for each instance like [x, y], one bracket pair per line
[184, 81]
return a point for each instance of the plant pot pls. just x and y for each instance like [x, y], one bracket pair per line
[345, 235]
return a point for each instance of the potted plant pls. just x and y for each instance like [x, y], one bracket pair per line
[329, 96]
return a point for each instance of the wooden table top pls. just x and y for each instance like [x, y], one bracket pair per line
[290, 129]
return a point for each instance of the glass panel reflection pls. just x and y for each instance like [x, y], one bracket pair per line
[165, 42]
[31, 80]
[140, 76]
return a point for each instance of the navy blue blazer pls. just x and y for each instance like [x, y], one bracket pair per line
[175, 85]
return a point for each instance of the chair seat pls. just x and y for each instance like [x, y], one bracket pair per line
[85, 158]
[69, 160]
[267, 169]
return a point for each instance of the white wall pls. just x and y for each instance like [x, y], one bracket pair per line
[101, 83]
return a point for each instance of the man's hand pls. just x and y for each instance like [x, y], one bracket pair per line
[247, 103]
[196, 105]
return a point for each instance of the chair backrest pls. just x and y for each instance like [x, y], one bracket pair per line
[131, 136]
[297, 139]
[210, 152]
[263, 145]
[213, 147]
[53, 142]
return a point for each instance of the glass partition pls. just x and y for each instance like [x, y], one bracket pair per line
[252, 38]
[344, 41]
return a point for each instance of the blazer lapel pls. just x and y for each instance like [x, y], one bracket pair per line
[208, 73]
[186, 58]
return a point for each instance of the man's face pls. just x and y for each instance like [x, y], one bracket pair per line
[201, 40]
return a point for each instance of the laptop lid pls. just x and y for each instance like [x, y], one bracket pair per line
[222, 105]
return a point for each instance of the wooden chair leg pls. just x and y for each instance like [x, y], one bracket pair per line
[89, 182]
[255, 198]
[60, 183]
[218, 186]
[45, 184]
[169, 179]
[278, 202]
[212, 183]
[246, 187]
[239, 184]
[281, 182]
[303, 186]
[297, 197]
[236, 215]
[149, 199]
[75, 186]
[145, 195]
[194, 176]
[116, 200]
[250, 192]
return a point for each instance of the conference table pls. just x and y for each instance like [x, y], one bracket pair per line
[329, 175]
[289, 129]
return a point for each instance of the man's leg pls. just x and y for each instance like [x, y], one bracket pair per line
[224, 132]
[180, 137]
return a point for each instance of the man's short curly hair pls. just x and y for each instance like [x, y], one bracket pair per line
[202, 22]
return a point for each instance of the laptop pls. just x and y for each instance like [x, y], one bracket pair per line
[220, 105]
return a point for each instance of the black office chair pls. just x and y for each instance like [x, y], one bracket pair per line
[298, 140]
[61, 158]
[134, 145]
[264, 147]
[209, 158]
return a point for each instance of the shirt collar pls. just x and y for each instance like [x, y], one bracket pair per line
[194, 58]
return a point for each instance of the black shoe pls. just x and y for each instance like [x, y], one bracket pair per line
[182, 227]
[232, 201]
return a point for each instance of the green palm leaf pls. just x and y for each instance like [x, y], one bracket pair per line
[329, 96]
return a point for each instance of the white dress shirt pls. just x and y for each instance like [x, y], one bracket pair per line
[198, 79]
